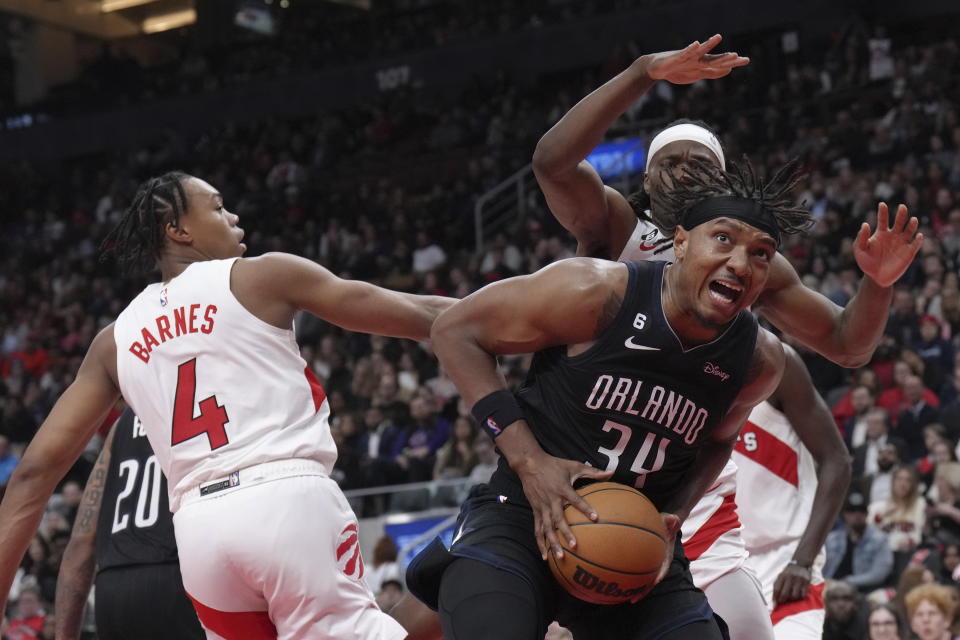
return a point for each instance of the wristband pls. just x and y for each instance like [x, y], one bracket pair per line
[496, 411]
[798, 564]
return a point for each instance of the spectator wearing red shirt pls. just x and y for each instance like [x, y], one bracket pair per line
[28, 623]
[895, 400]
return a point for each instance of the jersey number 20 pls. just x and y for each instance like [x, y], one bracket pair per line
[212, 414]
[148, 502]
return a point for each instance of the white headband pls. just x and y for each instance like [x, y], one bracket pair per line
[686, 131]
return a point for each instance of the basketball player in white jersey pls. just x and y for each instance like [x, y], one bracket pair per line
[606, 224]
[792, 475]
[207, 358]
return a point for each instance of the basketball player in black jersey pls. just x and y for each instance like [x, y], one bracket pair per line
[124, 530]
[643, 373]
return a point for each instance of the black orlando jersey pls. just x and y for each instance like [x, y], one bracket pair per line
[638, 402]
[135, 525]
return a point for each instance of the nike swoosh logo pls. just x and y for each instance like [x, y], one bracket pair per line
[630, 344]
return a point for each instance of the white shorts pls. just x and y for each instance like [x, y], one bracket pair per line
[800, 620]
[273, 552]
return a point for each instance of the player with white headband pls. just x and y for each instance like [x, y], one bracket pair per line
[610, 225]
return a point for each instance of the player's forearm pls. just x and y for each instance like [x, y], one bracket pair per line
[474, 371]
[411, 318]
[20, 515]
[862, 323]
[833, 479]
[709, 463]
[583, 127]
[73, 586]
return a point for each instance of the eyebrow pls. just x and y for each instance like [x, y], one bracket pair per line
[740, 227]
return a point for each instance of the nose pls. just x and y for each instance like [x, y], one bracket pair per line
[738, 262]
[234, 219]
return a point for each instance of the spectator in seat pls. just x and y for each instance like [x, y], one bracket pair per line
[902, 516]
[884, 623]
[918, 414]
[857, 552]
[844, 619]
[930, 610]
[877, 434]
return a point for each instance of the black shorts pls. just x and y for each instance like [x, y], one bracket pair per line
[520, 593]
[144, 602]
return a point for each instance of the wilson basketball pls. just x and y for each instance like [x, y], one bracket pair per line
[618, 556]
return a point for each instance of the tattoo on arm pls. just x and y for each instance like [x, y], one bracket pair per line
[86, 522]
[609, 313]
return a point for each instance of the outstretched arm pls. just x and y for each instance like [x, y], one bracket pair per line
[847, 336]
[56, 446]
[276, 285]
[811, 419]
[600, 217]
[568, 302]
[79, 558]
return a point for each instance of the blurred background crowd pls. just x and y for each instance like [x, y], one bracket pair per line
[384, 190]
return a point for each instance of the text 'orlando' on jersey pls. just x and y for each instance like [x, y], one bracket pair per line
[217, 388]
[637, 402]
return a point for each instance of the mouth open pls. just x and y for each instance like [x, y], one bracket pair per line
[726, 291]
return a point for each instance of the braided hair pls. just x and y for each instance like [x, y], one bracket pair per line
[137, 241]
[702, 180]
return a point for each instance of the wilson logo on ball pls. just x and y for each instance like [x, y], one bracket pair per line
[592, 583]
[349, 559]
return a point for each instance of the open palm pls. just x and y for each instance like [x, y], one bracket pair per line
[886, 254]
[693, 63]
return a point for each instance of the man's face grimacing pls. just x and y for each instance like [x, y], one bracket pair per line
[724, 264]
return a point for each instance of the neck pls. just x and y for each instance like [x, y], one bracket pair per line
[686, 323]
[173, 265]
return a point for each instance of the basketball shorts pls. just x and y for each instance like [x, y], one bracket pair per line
[146, 602]
[492, 582]
[273, 552]
[800, 620]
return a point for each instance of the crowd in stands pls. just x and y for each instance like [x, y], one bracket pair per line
[385, 193]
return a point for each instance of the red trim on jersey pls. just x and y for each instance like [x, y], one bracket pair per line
[236, 625]
[318, 393]
[770, 452]
[812, 602]
[723, 519]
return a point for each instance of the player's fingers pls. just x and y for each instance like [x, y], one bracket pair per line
[860, 242]
[581, 505]
[710, 44]
[538, 534]
[912, 225]
[916, 243]
[900, 220]
[883, 217]
[564, 531]
[584, 471]
[553, 542]
[672, 523]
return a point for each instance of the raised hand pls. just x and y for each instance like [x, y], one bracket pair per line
[886, 254]
[548, 485]
[693, 63]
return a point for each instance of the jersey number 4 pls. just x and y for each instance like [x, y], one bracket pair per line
[212, 414]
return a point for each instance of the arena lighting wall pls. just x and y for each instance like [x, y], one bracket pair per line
[525, 54]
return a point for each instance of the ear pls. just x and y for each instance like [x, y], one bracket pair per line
[681, 239]
[178, 234]
[646, 182]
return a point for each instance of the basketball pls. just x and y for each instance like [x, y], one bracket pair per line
[618, 556]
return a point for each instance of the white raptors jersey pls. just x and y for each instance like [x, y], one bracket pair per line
[217, 388]
[778, 480]
[647, 242]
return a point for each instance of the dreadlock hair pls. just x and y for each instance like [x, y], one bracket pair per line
[702, 180]
[640, 200]
[137, 240]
